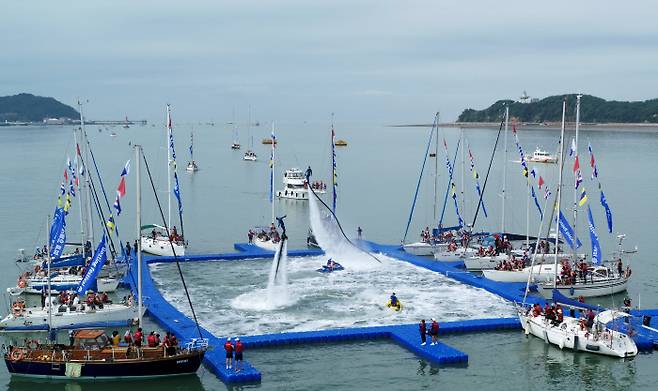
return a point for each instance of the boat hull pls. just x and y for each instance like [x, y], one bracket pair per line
[540, 273]
[424, 249]
[596, 289]
[37, 319]
[170, 366]
[569, 335]
[266, 245]
[161, 247]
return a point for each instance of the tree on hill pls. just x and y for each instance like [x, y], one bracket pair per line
[31, 108]
[592, 109]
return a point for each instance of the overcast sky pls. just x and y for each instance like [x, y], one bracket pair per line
[385, 61]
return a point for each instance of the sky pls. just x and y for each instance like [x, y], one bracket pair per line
[300, 60]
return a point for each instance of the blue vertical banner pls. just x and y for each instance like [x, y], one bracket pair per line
[58, 234]
[95, 266]
[534, 197]
[568, 233]
[608, 213]
[596, 247]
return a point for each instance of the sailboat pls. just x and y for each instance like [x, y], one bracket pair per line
[600, 278]
[564, 331]
[236, 144]
[191, 165]
[92, 356]
[250, 155]
[157, 241]
[268, 238]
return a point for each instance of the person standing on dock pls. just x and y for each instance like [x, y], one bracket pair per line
[229, 353]
[422, 328]
[239, 348]
[434, 332]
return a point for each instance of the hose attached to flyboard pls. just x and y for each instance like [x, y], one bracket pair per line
[308, 181]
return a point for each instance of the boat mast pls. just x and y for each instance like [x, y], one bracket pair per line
[575, 190]
[87, 195]
[138, 213]
[49, 301]
[77, 186]
[169, 130]
[558, 197]
[333, 164]
[272, 171]
[502, 220]
[192, 146]
[436, 165]
[461, 137]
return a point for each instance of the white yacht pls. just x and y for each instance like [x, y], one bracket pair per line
[540, 156]
[158, 243]
[295, 185]
[250, 156]
[570, 334]
[600, 281]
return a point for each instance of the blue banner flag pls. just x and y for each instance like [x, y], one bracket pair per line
[95, 266]
[596, 247]
[608, 213]
[534, 196]
[58, 234]
[568, 233]
[177, 193]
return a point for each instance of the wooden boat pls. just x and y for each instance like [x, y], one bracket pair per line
[268, 141]
[341, 143]
[93, 357]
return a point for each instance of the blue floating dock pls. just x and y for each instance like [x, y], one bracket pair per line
[406, 335]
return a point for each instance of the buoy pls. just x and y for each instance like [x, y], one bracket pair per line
[16, 355]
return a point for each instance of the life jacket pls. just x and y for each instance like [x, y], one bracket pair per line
[434, 328]
[228, 347]
[422, 327]
[239, 348]
[127, 338]
[151, 341]
[137, 336]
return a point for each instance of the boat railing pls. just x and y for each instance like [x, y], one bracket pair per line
[197, 344]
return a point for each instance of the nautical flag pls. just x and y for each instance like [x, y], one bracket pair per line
[579, 179]
[541, 182]
[66, 176]
[117, 205]
[110, 223]
[608, 213]
[177, 193]
[576, 165]
[534, 197]
[547, 192]
[572, 149]
[121, 188]
[67, 203]
[95, 266]
[592, 162]
[583, 197]
[62, 188]
[477, 181]
[568, 233]
[533, 173]
[594, 238]
[71, 188]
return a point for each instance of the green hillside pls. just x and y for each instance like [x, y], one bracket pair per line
[592, 110]
[31, 108]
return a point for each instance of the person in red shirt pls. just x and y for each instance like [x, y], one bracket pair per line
[150, 340]
[127, 338]
[434, 332]
[138, 337]
[422, 328]
[239, 348]
[229, 353]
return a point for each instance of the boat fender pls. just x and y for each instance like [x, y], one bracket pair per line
[594, 348]
[546, 336]
[16, 355]
[527, 326]
[33, 344]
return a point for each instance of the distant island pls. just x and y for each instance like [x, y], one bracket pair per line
[593, 110]
[28, 108]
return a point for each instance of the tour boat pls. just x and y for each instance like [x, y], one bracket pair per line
[540, 156]
[295, 185]
[92, 357]
[569, 334]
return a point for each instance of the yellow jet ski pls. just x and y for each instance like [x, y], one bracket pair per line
[397, 307]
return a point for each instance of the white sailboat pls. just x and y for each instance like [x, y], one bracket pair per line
[236, 144]
[157, 241]
[268, 238]
[250, 155]
[192, 166]
[565, 331]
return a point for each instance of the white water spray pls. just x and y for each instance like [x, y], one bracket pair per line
[331, 240]
[277, 285]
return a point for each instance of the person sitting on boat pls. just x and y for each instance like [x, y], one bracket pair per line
[116, 338]
[74, 302]
[559, 315]
[394, 300]
[452, 246]
[628, 272]
[105, 299]
[549, 314]
[588, 322]
[536, 310]
[620, 267]
[151, 341]
[127, 337]
[154, 234]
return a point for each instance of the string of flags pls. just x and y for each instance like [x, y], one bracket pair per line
[476, 177]
[453, 192]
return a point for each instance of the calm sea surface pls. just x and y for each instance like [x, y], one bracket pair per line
[377, 174]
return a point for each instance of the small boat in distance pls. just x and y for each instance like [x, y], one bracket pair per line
[250, 156]
[191, 165]
[235, 145]
[341, 143]
[267, 141]
[295, 185]
[540, 156]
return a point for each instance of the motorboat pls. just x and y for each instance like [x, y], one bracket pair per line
[540, 156]
[235, 146]
[192, 166]
[295, 186]
[572, 335]
[250, 156]
[93, 357]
